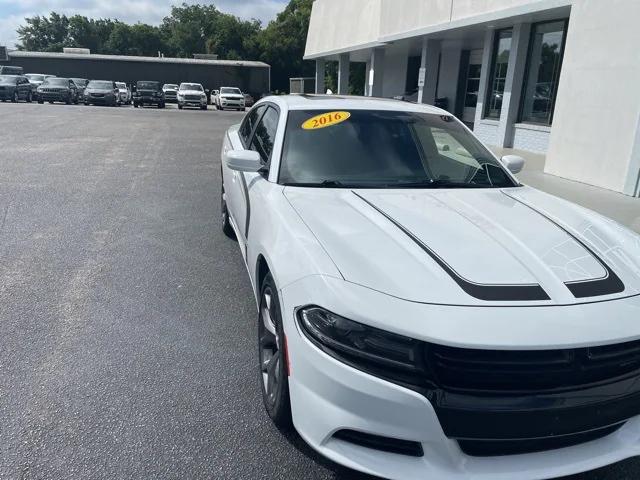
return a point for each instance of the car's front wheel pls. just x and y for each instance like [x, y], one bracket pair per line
[273, 361]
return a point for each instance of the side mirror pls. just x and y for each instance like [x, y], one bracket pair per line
[244, 160]
[513, 163]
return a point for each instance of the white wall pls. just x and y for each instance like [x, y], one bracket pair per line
[595, 125]
[396, 58]
[339, 24]
[403, 15]
[469, 8]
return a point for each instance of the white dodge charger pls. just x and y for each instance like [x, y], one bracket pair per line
[421, 313]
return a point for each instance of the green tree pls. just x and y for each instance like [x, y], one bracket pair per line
[282, 44]
[44, 34]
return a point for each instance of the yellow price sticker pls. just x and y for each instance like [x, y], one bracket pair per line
[325, 120]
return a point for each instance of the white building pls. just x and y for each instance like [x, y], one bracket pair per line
[560, 77]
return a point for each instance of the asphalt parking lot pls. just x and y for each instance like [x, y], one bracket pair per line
[127, 323]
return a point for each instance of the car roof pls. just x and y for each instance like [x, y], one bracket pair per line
[349, 102]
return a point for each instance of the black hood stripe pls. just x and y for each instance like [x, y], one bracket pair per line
[488, 292]
[609, 284]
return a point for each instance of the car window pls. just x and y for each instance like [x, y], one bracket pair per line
[265, 134]
[385, 149]
[249, 122]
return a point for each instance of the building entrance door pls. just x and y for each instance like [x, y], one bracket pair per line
[472, 86]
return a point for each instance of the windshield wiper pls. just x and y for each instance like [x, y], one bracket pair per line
[324, 183]
[436, 184]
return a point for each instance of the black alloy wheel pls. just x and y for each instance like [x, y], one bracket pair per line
[273, 358]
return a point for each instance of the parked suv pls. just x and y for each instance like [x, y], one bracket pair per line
[101, 92]
[170, 92]
[36, 79]
[230, 97]
[81, 85]
[125, 93]
[148, 93]
[14, 88]
[57, 89]
[192, 95]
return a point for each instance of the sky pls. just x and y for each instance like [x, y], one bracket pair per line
[12, 12]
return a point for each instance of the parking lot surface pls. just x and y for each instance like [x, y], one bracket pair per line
[128, 337]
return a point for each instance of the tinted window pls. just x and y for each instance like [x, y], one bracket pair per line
[191, 86]
[230, 90]
[100, 85]
[81, 82]
[381, 149]
[57, 82]
[543, 72]
[265, 134]
[148, 86]
[249, 122]
[501, 53]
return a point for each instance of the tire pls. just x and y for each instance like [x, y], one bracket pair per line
[273, 362]
[40, 102]
[161, 105]
[180, 107]
[135, 105]
[15, 97]
[67, 100]
[51, 102]
[204, 107]
[227, 229]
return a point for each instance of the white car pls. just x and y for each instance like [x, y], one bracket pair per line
[124, 94]
[230, 97]
[421, 313]
[192, 95]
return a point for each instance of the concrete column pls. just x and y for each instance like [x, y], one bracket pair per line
[376, 72]
[320, 71]
[450, 72]
[513, 84]
[343, 74]
[483, 89]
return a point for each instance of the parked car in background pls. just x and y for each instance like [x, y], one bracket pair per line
[101, 92]
[230, 97]
[81, 84]
[170, 92]
[192, 95]
[15, 88]
[148, 93]
[56, 89]
[36, 79]
[124, 93]
[11, 70]
[248, 100]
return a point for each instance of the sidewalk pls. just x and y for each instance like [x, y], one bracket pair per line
[621, 208]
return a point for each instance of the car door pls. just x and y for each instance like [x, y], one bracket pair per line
[235, 183]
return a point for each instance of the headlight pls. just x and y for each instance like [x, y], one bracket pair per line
[381, 353]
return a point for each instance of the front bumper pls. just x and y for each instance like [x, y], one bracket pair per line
[201, 102]
[148, 100]
[102, 100]
[53, 97]
[226, 103]
[328, 396]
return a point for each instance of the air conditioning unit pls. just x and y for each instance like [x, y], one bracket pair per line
[4, 55]
[77, 51]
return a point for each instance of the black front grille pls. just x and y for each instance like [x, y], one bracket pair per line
[489, 448]
[517, 372]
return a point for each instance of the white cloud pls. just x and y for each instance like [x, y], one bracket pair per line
[13, 12]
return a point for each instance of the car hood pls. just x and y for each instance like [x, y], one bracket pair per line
[191, 92]
[98, 90]
[503, 247]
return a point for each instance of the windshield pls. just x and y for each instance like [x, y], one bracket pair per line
[35, 78]
[384, 149]
[100, 85]
[8, 79]
[230, 90]
[80, 82]
[148, 86]
[57, 82]
[170, 86]
[121, 85]
[191, 86]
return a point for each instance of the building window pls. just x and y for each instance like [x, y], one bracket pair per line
[543, 72]
[501, 51]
